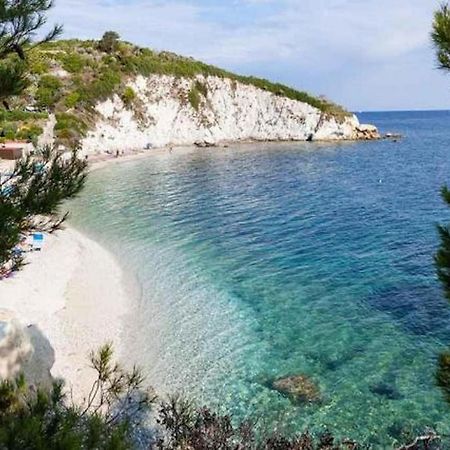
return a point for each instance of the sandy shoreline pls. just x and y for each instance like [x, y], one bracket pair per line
[74, 291]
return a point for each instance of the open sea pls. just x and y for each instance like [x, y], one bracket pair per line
[256, 262]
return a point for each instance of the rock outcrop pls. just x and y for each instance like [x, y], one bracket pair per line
[24, 350]
[163, 113]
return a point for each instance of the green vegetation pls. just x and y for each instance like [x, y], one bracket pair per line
[21, 125]
[48, 92]
[109, 43]
[441, 36]
[115, 417]
[95, 71]
[70, 129]
[47, 420]
[32, 190]
[194, 97]
[100, 69]
[196, 92]
[441, 39]
[73, 62]
[128, 96]
[19, 21]
[72, 99]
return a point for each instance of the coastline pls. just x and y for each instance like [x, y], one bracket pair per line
[74, 292]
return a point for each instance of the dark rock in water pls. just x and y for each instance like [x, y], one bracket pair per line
[415, 308]
[204, 144]
[393, 136]
[299, 388]
[385, 390]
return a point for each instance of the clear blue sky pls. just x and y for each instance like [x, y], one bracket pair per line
[365, 54]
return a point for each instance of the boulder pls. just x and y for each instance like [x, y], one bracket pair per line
[367, 132]
[24, 350]
[204, 144]
[299, 388]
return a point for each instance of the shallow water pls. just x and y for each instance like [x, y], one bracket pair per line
[262, 261]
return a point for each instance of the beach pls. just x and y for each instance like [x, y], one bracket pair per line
[73, 291]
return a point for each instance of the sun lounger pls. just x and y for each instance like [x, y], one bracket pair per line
[38, 241]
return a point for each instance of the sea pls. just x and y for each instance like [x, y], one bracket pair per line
[262, 261]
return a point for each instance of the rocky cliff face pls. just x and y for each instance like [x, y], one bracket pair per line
[210, 110]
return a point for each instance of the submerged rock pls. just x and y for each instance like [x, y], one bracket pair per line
[386, 390]
[299, 388]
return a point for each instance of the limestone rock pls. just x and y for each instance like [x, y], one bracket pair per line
[24, 350]
[228, 112]
[367, 132]
[299, 388]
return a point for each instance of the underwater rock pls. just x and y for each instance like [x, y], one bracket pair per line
[299, 388]
[386, 390]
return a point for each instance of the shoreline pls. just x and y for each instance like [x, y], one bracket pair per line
[75, 292]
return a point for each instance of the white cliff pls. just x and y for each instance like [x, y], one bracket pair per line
[162, 114]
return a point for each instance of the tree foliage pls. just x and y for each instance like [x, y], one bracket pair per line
[30, 197]
[109, 42]
[441, 36]
[49, 420]
[13, 79]
[19, 22]
[441, 39]
[442, 258]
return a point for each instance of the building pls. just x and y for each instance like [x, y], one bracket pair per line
[13, 150]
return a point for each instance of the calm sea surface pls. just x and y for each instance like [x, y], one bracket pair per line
[262, 261]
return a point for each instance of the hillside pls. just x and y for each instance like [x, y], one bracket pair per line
[160, 98]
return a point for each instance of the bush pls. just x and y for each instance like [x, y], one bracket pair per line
[73, 62]
[72, 99]
[70, 129]
[201, 88]
[194, 98]
[18, 115]
[45, 420]
[48, 92]
[109, 42]
[29, 132]
[128, 96]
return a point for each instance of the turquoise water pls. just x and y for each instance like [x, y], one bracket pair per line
[262, 261]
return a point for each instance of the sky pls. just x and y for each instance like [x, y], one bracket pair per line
[364, 54]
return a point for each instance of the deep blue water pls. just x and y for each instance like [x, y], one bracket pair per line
[262, 261]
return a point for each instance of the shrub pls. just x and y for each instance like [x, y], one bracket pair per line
[8, 130]
[29, 132]
[48, 92]
[18, 115]
[109, 42]
[128, 96]
[46, 420]
[101, 88]
[70, 129]
[194, 98]
[201, 88]
[73, 62]
[72, 99]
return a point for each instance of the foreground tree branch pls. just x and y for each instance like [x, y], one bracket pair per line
[19, 22]
[31, 196]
